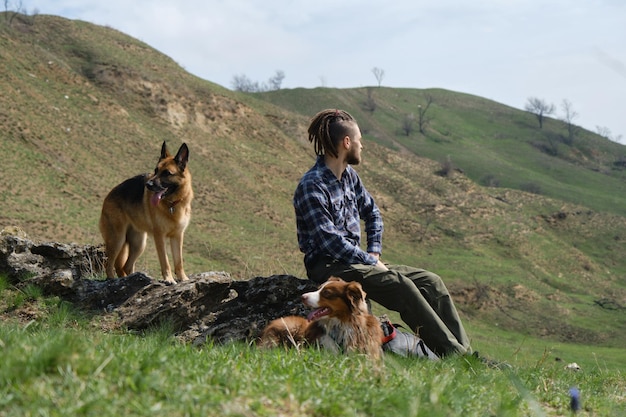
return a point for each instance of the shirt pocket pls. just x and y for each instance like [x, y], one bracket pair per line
[338, 208]
[351, 212]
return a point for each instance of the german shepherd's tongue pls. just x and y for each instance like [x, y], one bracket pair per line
[156, 197]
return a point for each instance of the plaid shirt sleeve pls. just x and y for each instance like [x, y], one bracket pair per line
[369, 212]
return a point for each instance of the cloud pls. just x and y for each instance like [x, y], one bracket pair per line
[506, 51]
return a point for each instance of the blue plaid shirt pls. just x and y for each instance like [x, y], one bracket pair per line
[328, 214]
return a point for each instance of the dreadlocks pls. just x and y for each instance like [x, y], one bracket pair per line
[327, 128]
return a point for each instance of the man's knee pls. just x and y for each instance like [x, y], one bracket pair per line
[389, 282]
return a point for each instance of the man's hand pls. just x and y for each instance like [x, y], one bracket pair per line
[382, 266]
[379, 264]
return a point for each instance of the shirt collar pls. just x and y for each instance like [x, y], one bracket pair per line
[327, 172]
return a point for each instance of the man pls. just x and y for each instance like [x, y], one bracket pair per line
[329, 202]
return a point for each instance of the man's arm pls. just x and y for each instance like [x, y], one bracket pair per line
[369, 212]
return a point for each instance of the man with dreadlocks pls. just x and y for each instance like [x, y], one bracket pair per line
[329, 202]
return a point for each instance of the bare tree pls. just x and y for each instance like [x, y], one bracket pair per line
[447, 168]
[19, 8]
[379, 73]
[244, 84]
[422, 120]
[568, 119]
[605, 132]
[276, 81]
[539, 108]
[407, 124]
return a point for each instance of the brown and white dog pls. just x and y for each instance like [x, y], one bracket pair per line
[340, 322]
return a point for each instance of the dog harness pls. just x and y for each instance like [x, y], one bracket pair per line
[404, 343]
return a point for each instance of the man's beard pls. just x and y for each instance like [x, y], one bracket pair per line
[353, 158]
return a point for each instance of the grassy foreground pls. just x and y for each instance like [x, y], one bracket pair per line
[62, 364]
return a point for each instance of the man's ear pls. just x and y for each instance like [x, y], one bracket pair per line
[347, 142]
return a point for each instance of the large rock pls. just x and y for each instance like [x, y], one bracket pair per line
[22, 259]
[213, 307]
[209, 306]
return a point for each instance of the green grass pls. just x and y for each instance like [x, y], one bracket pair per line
[484, 139]
[59, 366]
[248, 151]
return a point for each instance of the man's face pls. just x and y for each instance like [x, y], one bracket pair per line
[354, 154]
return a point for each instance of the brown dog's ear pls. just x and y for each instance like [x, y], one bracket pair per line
[164, 152]
[182, 156]
[356, 295]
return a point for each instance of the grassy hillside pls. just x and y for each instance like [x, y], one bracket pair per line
[83, 107]
[493, 144]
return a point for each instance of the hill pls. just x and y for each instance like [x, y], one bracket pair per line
[83, 107]
[495, 145]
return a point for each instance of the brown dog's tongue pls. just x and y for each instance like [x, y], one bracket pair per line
[156, 197]
[316, 314]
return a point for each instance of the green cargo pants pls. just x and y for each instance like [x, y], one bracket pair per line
[420, 297]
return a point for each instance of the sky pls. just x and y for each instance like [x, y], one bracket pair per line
[503, 50]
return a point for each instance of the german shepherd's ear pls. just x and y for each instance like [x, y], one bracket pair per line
[164, 152]
[182, 157]
[355, 294]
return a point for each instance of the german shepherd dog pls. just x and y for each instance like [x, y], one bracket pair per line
[158, 204]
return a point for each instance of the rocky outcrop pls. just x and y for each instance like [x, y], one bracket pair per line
[209, 306]
[22, 259]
